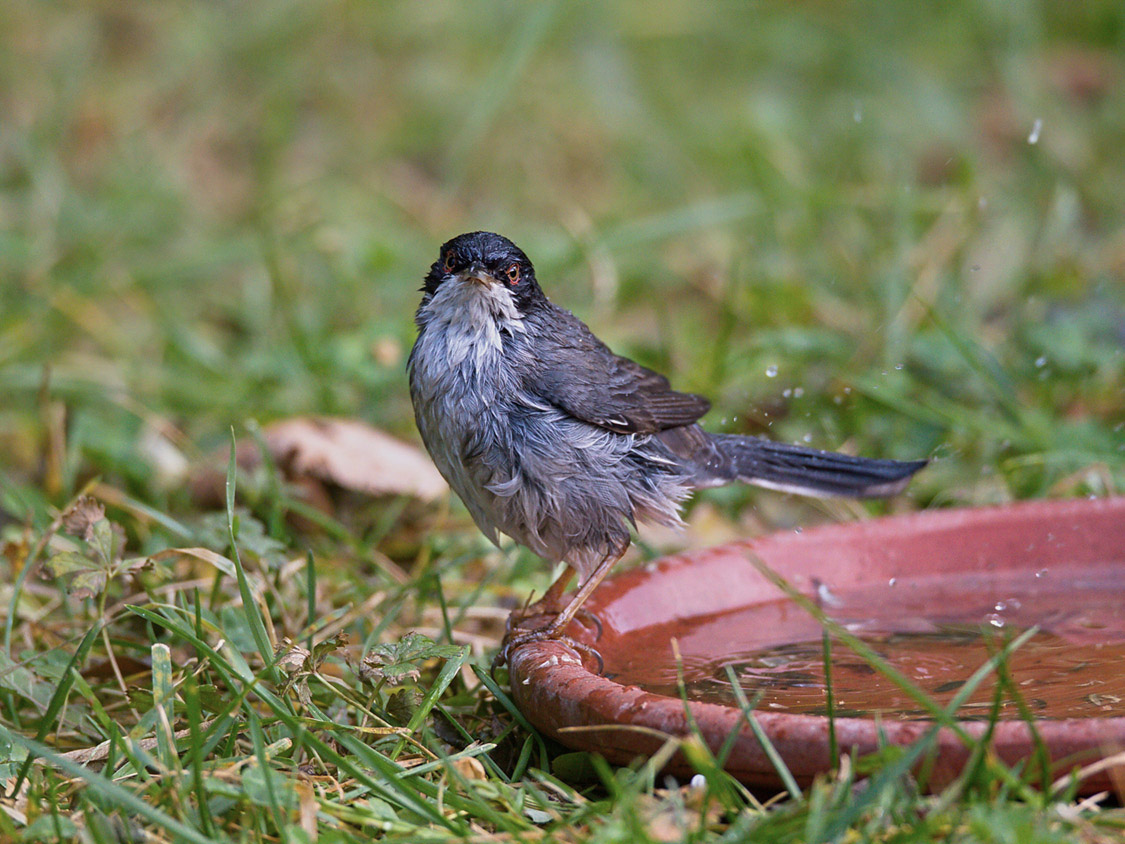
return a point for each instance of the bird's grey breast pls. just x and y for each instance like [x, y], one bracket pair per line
[463, 386]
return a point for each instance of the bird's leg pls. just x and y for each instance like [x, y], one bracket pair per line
[554, 630]
[550, 603]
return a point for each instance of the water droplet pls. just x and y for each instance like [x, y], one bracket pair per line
[826, 596]
[1041, 361]
[857, 115]
[996, 620]
[892, 581]
[1036, 128]
[798, 392]
[807, 438]
[771, 371]
[1041, 573]
[898, 366]
[787, 392]
[798, 530]
[1000, 606]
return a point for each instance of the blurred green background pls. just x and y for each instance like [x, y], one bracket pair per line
[891, 228]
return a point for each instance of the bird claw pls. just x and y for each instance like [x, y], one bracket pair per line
[515, 639]
[584, 616]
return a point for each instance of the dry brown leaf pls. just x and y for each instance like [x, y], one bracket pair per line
[315, 452]
[81, 516]
[470, 768]
[291, 658]
[353, 455]
[307, 809]
[100, 752]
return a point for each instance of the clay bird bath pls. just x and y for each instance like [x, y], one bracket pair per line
[933, 594]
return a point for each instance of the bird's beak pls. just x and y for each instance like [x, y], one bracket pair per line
[477, 274]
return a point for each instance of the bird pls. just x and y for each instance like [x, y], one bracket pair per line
[550, 438]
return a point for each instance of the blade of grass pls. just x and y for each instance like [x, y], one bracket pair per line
[259, 744]
[310, 598]
[163, 703]
[249, 604]
[696, 749]
[783, 772]
[117, 795]
[508, 704]
[31, 560]
[830, 699]
[448, 671]
[58, 698]
[195, 751]
[1042, 755]
[395, 778]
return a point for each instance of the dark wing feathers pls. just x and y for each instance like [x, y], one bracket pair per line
[579, 374]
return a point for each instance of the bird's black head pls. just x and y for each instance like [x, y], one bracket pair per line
[486, 258]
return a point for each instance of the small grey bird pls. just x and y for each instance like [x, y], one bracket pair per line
[552, 439]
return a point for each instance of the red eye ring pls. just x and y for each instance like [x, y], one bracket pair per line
[450, 262]
[513, 274]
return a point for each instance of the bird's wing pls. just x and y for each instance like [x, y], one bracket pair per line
[580, 375]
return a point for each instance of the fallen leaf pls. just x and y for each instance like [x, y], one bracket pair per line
[85, 577]
[402, 660]
[402, 704]
[82, 515]
[291, 658]
[313, 452]
[470, 768]
[353, 455]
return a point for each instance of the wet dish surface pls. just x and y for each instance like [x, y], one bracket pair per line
[1073, 666]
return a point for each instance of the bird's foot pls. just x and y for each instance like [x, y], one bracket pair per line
[516, 638]
[543, 607]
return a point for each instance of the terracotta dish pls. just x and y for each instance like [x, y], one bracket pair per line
[898, 568]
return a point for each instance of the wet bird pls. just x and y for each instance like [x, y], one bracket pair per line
[551, 438]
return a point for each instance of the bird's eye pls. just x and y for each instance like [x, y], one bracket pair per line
[450, 262]
[513, 273]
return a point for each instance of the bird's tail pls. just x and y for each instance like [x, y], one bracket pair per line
[809, 471]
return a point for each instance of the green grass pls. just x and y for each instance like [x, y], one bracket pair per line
[829, 218]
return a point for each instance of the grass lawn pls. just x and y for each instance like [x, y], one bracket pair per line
[894, 229]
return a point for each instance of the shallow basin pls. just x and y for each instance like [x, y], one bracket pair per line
[933, 593]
